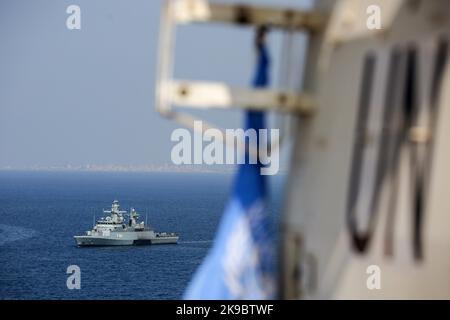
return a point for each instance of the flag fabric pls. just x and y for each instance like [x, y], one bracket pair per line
[241, 263]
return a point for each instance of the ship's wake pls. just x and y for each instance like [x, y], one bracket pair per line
[197, 241]
[13, 233]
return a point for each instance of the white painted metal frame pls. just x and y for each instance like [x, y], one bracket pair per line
[188, 11]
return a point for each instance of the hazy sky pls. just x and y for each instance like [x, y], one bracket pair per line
[87, 96]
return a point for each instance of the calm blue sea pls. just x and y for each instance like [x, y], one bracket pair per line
[40, 212]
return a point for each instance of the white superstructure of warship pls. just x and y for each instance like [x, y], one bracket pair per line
[113, 230]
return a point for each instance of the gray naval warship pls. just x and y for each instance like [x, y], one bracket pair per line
[112, 230]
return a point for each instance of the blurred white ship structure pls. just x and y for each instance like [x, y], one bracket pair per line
[113, 230]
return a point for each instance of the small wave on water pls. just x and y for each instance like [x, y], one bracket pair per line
[198, 241]
[13, 233]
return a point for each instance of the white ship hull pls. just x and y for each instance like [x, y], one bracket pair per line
[131, 240]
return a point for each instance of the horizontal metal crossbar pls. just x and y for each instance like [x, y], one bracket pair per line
[189, 11]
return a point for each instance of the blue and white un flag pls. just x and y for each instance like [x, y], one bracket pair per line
[241, 263]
